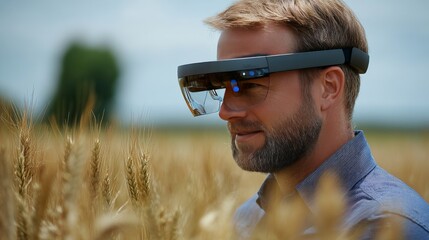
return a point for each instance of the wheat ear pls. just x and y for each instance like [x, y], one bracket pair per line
[23, 177]
[107, 190]
[131, 180]
[143, 178]
[95, 169]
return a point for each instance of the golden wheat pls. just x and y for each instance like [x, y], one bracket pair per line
[88, 183]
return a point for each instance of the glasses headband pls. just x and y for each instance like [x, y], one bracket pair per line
[353, 57]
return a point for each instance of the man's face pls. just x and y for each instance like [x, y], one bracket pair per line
[281, 129]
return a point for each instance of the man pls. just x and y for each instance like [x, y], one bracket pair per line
[286, 81]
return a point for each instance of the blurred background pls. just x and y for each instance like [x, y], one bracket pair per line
[127, 52]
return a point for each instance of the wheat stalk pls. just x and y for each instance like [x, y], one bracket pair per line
[390, 228]
[109, 224]
[330, 205]
[7, 202]
[43, 190]
[72, 184]
[173, 228]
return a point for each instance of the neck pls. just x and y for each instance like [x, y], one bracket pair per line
[333, 135]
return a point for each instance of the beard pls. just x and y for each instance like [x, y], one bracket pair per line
[285, 143]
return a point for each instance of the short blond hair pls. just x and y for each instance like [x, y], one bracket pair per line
[319, 25]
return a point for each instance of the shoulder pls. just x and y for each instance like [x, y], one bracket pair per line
[380, 195]
[247, 216]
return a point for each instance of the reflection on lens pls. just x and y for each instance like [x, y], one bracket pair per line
[204, 93]
[204, 102]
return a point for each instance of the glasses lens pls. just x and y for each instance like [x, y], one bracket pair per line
[243, 94]
[200, 99]
[205, 93]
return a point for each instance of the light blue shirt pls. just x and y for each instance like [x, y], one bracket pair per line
[372, 194]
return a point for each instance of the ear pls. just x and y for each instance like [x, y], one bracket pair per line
[332, 83]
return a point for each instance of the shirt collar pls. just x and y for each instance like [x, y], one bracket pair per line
[351, 163]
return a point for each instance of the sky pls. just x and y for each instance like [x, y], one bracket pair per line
[152, 38]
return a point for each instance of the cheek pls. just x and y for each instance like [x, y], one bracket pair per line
[282, 102]
[284, 98]
[276, 109]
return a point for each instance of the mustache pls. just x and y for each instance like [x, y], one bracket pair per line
[244, 126]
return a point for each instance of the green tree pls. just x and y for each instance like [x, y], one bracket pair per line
[88, 77]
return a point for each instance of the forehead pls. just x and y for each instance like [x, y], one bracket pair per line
[267, 40]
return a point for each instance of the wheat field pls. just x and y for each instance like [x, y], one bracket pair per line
[93, 182]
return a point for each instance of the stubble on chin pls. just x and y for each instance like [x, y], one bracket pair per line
[244, 153]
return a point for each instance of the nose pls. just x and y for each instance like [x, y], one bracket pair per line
[227, 113]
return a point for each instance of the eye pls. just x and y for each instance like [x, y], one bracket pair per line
[259, 83]
[250, 85]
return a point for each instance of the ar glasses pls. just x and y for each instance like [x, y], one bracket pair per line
[245, 81]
